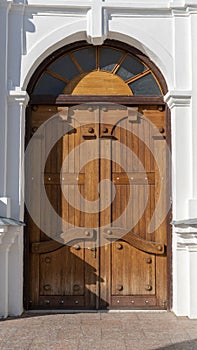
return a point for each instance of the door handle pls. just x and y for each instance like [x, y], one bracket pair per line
[89, 137]
[108, 137]
[94, 250]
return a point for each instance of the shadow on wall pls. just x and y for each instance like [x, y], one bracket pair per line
[186, 345]
[17, 44]
[28, 26]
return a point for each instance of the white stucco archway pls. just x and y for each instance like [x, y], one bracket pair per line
[140, 39]
[166, 33]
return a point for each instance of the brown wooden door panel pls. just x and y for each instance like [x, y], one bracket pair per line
[70, 271]
[128, 149]
[137, 182]
[62, 271]
[133, 271]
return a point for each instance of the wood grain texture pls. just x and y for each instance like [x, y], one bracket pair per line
[98, 83]
[135, 241]
[70, 100]
[133, 265]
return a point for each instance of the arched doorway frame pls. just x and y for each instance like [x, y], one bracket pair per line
[110, 43]
[126, 100]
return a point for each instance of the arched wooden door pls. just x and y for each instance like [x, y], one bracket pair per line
[103, 254]
[97, 181]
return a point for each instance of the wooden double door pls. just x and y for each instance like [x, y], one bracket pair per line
[103, 243]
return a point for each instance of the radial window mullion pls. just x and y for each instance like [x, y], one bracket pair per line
[119, 63]
[49, 85]
[145, 86]
[130, 67]
[57, 76]
[76, 63]
[64, 66]
[86, 58]
[138, 76]
[109, 58]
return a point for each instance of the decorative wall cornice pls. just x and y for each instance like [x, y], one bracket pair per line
[178, 98]
[186, 234]
[98, 12]
[187, 242]
[112, 4]
[18, 96]
[185, 226]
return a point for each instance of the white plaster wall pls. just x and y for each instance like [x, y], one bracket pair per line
[135, 30]
[166, 31]
[11, 271]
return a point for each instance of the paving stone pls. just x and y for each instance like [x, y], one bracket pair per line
[99, 331]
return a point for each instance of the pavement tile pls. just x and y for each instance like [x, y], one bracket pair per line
[133, 345]
[99, 331]
[113, 345]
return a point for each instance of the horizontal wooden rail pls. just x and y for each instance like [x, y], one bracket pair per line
[65, 238]
[135, 241]
[74, 100]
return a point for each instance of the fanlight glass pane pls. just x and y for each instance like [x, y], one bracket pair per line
[109, 58]
[71, 65]
[64, 66]
[86, 58]
[48, 85]
[130, 67]
[146, 85]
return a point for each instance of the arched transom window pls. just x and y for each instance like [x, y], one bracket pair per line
[97, 71]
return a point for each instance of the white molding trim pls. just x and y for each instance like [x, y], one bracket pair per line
[173, 5]
[186, 239]
[184, 266]
[5, 207]
[7, 239]
[186, 231]
[6, 3]
[5, 7]
[97, 25]
[18, 96]
[178, 98]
